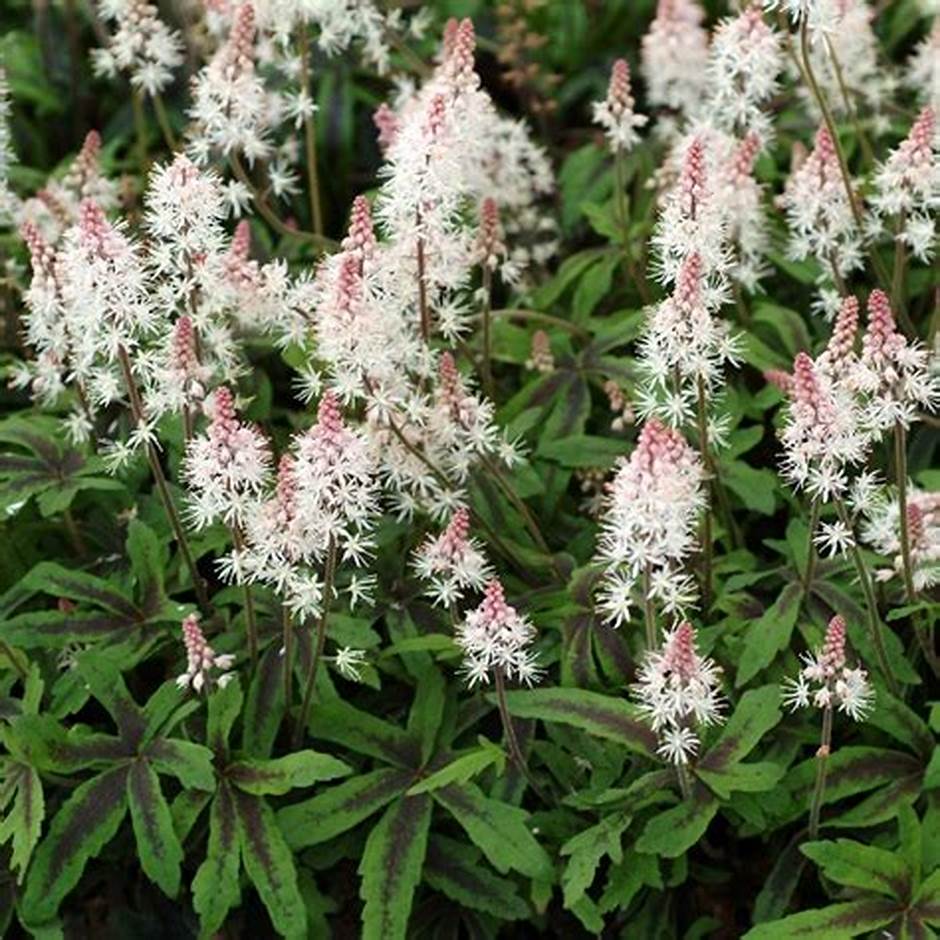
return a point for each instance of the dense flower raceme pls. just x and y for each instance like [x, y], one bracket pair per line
[226, 466]
[8, 200]
[678, 692]
[744, 62]
[142, 46]
[907, 187]
[452, 562]
[616, 112]
[822, 225]
[675, 55]
[648, 527]
[823, 437]
[923, 72]
[204, 667]
[881, 529]
[494, 637]
[827, 682]
[325, 498]
[893, 375]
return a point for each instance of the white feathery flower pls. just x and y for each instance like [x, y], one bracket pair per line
[496, 638]
[650, 518]
[452, 562]
[826, 681]
[677, 692]
[674, 55]
[615, 113]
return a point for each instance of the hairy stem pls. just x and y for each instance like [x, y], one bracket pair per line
[649, 615]
[822, 768]
[515, 752]
[423, 310]
[163, 119]
[685, 785]
[702, 422]
[811, 556]
[288, 626]
[251, 623]
[329, 573]
[871, 602]
[163, 489]
[310, 137]
[487, 365]
[140, 131]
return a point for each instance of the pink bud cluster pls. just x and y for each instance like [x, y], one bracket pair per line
[615, 113]
[452, 563]
[496, 639]
[650, 519]
[202, 660]
[678, 692]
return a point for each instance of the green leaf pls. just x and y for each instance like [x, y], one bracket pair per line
[750, 778]
[107, 686]
[279, 776]
[391, 867]
[836, 922]
[454, 868]
[464, 768]
[769, 635]
[23, 820]
[270, 865]
[587, 849]
[601, 715]
[427, 710]
[755, 487]
[189, 762]
[215, 887]
[672, 832]
[158, 847]
[265, 705]
[774, 897]
[225, 705]
[927, 899]
[359, 731]
[584, 450]
[902, 723]
[500, 830]
[756, 713]
[86, 822]
[341, 807]
[861, 866]
[147, 564]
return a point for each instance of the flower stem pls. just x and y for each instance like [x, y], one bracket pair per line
[140, 131]
[702, 422]
[250, 620]
[487, 369]
[649, 615]
[163, 119]
[623, 221]
[685, 786]
[871, 602]
[163, 489]
[811, 556]
[515, 752]
[423, 293]
[288, 625]
[329, 573]
[310, 137]
[822, 768]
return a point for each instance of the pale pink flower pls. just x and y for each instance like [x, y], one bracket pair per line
[678, 692]
[881, 530]
[495, 637]
[907, 185]
[675, 55]
[839, 358]
[452, 562]
[826, 681]
[615, 113]
[923, 69]
[202, 660]
[819, 214]
[651, 515]
[893, 375]
[822, 436]
[226, 467]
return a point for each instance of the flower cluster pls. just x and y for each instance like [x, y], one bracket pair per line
[615, 113]
[226, 467]
[881, 529]
[452, 563]
[495, 638]
[678, 692]
[142, 45]
[826, 681]
[648, 530]
[202, 660]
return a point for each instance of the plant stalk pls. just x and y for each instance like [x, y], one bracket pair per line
[329, 574]
[310, 138]
[822, 768]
